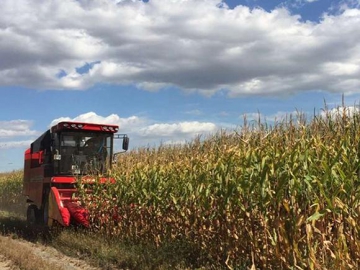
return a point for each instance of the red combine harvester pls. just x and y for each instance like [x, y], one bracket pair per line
[66, 153]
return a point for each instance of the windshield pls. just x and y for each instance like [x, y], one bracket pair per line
[84, 153]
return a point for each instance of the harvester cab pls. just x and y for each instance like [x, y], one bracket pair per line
[66, 153]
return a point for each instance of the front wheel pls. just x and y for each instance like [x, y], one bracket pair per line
[33, 216]
[46, 211]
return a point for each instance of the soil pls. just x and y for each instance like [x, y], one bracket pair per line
[18, 243]
[53, 257]
[6, 264]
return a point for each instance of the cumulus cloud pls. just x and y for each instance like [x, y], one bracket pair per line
[145, 132]
[340, 111]
[348, 4]
[15, 144]
[174, 133]
[279, 116]
[178, 129]
[125, 124]
[15, 137]
[16, 128]
[89, 117]
[193, 45]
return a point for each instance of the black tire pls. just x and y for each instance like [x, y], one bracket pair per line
[33, 216]
[45, 210]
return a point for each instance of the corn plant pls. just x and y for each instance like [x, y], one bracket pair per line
[281, 196]
[11, 198]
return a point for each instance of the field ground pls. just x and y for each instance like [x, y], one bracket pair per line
[6, 264]
[72, 249]
[21, 249]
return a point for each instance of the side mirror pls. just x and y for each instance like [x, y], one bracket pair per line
[125, 144]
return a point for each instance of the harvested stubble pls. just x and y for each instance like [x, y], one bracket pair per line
[271, 197]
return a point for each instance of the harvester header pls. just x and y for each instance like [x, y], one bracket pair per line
[55, 161]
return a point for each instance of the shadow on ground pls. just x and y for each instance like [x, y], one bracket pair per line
[17, 227]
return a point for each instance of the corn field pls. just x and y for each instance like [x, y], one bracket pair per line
[284, 196]
[11, 198]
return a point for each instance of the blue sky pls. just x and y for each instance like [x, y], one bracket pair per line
[167, 71]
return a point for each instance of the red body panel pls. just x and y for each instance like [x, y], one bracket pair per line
[84, 179]
[34, 179]
[63, 179]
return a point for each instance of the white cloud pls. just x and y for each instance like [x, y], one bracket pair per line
[125, 124]
[341, 69]
[15, 137]
[194, 45]
[16, 128]
[89, 117]
[275, 117]
[15, 144]
[144, 132]
[348, 4]
[178, 129]
[340, 111]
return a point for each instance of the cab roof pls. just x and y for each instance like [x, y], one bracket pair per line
[69, 125]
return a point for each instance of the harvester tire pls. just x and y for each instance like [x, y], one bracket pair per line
[45, 214]
[33, 215]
